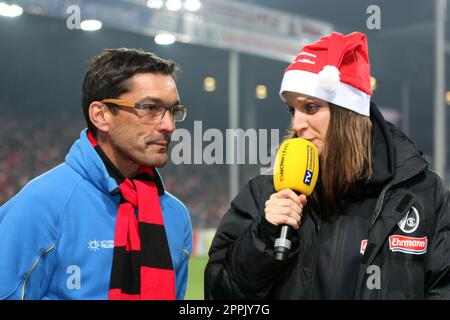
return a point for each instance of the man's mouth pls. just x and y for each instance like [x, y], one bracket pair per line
[161, 143]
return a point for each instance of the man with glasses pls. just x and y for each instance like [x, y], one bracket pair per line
[101, 225]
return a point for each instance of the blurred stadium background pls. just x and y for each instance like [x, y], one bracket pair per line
[232, 54]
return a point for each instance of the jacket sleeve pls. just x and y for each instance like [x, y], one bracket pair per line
[27, 246]
[241, 263]
[182, 274]
[437, 284]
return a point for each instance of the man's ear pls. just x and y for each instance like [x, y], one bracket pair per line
[98, 116]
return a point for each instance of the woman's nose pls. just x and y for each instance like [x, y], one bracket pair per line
[299, 123]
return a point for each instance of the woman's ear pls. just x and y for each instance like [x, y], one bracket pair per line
[98, 116]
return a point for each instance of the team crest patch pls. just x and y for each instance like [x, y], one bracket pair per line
[410, 221]
[408, 245]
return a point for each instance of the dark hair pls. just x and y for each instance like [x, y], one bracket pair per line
[108, 74]
[346, 161]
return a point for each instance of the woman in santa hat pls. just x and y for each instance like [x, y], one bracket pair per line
[377, 225]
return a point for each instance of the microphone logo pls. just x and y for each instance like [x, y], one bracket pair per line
[308, 177]
[309, 166]
[283, 156]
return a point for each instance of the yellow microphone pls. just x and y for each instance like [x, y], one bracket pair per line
[297, 168]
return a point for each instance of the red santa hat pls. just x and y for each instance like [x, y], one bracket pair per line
[335, 69]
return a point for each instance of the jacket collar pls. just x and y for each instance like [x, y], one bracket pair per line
[383, 153]
[96, 168]
[394, 155]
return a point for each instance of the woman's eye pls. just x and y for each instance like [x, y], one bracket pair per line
[291, 110]
[311, 107]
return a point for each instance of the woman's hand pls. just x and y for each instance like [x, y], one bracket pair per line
[285, 207]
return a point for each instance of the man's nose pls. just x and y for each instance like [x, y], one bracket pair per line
[167, 123]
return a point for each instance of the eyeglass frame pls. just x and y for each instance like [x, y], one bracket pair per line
[143, 106]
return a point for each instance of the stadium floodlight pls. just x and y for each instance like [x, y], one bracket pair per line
[155, 4]
[373, 83]
[174, 5]
[10, 11]
[165, 39]
[209, 84]
[261, 92]
[91, 25]
[447, 98]
[192, 5]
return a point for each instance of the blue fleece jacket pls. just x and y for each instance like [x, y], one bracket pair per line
[57, 233]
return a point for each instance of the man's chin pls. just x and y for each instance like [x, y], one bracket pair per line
[157, 161]
[159, 165]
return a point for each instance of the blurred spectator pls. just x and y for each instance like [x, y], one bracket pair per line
[30, 148]
[204, 189]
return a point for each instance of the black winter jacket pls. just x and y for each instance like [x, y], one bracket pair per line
[391, 245]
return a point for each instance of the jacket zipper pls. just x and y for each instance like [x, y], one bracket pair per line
[383, 194]
[338, 255]
[316, 257]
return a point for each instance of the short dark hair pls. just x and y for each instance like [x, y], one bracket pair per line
[108, 74]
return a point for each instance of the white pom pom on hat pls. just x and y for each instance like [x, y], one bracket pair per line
[335, 69]
[329, 78]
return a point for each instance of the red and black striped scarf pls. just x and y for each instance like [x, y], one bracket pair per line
[142, 266]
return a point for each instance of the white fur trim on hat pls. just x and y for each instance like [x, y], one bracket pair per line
[344, 95]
